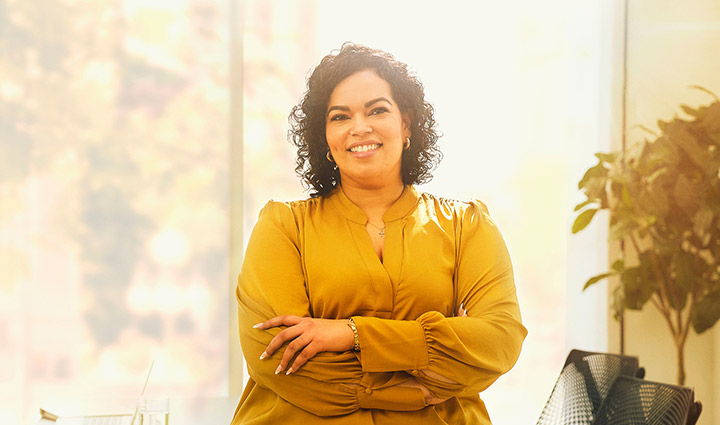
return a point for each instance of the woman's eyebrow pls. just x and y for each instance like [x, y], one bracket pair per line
[339, 108]
[367, 105]
[379, 99]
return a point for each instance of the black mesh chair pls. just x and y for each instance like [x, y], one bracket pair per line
[582, 385]
[633, 401]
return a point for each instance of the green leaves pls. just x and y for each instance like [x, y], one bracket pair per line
[690, 111]
[606, 157]
[663, 196]
[622, 228]
[703, 89]
[683, 269]
[595, 279]
[617, 267]
[583, 220]
[639, 283]
[706, 312]
[686, 194]
[702, 222]
[582, 205]
[593, 182]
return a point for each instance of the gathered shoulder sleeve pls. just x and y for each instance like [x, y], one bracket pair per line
[470, 352]
[272, 283]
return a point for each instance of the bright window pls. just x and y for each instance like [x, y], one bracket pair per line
[114, 200]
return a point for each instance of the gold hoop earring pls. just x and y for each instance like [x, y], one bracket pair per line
[329, 157]
[407, 143]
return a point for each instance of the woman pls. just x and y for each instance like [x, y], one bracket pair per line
[371, 302]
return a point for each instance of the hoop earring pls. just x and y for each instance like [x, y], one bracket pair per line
[329, 157]
[407, 143]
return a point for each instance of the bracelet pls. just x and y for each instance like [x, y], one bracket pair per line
[356, 345]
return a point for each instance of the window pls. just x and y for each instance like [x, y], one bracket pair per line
[114, 216]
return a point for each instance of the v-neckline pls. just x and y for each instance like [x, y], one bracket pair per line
[390, 265]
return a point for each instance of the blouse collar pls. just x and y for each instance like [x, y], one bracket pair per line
[402, 206]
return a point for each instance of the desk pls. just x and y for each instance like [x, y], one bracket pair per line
[183, 411]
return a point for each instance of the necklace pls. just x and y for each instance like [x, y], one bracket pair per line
[381, 230]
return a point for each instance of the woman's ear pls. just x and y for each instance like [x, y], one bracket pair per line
[407, 118]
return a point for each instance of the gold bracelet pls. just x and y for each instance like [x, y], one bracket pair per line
[356, 345]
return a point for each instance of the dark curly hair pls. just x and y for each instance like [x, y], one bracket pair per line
[307, 119]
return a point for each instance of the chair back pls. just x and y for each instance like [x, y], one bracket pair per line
[582, 385]
[633, 401]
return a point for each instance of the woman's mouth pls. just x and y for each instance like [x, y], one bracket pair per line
[365, 148]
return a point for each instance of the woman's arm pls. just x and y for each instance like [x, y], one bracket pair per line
[456, 355]
[308, 336]
[271, 283]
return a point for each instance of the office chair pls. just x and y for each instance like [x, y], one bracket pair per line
[582, 385]
[634, 401]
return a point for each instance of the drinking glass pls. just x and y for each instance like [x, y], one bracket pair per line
[153, 411]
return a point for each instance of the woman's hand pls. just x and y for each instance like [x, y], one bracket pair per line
[429, 397]
[307, 336]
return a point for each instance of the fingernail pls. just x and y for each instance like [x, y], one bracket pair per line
[289, 371]
[257, 325]
[263, 355]
[461, 306]
[279, 368]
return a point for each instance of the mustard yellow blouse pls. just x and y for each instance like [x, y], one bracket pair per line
[314, 258]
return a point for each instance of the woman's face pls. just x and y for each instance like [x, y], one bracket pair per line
[366, 130]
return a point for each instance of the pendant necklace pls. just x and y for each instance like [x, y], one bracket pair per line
[381, 230]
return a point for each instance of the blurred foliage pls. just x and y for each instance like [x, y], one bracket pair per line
[663, 196]
[131, 125]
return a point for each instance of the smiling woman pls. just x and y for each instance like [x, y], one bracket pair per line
[371, 302]
[366, 137]
[380, 84]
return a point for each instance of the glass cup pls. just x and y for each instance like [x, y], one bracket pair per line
[154, 411]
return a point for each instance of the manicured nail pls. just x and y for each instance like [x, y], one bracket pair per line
[461, 306]
[289, 371]
[263, 355]
[257, 325]
[278, 370]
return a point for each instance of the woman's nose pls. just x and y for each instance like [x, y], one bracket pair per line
[360, 126]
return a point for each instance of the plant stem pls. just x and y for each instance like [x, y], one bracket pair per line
[680, 362]
[683, 339]
[657, 304]
[679, 335]
[686, 328]
[668, 318]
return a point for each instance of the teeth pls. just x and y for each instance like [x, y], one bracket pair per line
[364, 148]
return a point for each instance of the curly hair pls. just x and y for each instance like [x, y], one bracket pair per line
[307, 119]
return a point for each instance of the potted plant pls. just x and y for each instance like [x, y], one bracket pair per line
[663, 198]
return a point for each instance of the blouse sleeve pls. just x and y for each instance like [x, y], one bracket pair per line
[271, 283]
[471, 351]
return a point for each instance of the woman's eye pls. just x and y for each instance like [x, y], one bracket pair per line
[379, 110]
[338, 117]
